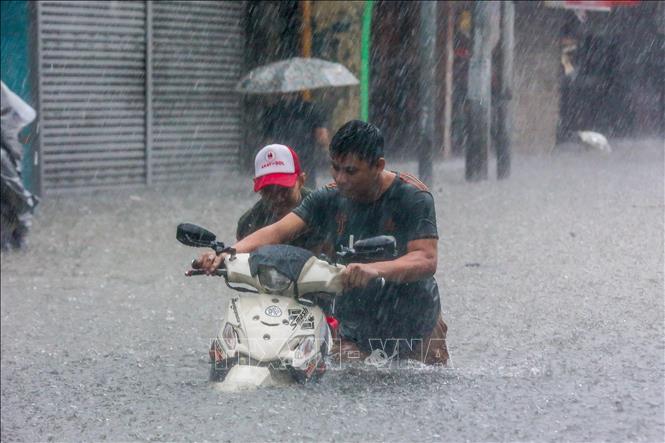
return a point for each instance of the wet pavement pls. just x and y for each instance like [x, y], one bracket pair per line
[552, 288]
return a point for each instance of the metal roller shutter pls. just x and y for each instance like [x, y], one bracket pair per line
[135, 92]
[197, 60]
[92, 93]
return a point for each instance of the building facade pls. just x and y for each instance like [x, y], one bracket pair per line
[132, 93]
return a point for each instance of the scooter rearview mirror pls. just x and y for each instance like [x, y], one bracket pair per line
[193, 235]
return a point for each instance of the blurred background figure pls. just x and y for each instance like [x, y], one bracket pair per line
[301, 124]
[17, 204]
[288, 114]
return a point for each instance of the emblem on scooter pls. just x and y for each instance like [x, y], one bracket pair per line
[273, 311]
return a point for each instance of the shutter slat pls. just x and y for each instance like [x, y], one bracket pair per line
[99, 5]
[195, 35]
[132, 21]
[86, 63]
[177, 171]
[73, 89]
[136, 127]
[51, 37]
[54, 157]
[53, 141]
[165, 124]
[99, 71]
[93, 54]
[99, 175]
[184, 57]
[201, 46]
[231, 145]
[82, 147]
[56, 108]
[100, 29]
[86, 45]
[87, 122]
[95, 164]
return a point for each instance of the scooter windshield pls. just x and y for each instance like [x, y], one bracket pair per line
[287, 260]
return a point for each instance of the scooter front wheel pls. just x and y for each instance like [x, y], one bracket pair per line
[312, 374]
[216, 373]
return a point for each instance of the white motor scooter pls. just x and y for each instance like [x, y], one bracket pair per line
[275, 332]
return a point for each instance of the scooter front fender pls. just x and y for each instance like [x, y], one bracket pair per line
[248, 378]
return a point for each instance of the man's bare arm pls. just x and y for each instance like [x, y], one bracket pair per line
[419, 262]
[282, 231]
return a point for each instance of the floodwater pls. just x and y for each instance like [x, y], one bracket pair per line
[552, 287]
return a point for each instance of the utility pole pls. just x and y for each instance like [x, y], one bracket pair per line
[505, 105]
[306, 38]
[480, 90]
[427, 90]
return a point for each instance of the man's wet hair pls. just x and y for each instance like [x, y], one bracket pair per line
[362, 139]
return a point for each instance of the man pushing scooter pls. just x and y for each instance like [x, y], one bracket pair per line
[366, 200]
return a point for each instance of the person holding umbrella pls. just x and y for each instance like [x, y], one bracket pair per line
[290, 119]
[295, 122]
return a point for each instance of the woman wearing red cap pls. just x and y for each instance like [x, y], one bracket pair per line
[280, 181]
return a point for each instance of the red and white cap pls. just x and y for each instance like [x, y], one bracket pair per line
[276, 165]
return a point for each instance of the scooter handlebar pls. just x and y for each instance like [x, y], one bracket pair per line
[194, 272]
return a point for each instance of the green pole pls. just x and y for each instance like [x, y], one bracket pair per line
[364, 60]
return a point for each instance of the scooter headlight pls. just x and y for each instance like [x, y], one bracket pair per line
[305, 348]
[230, 336]
[272, 280]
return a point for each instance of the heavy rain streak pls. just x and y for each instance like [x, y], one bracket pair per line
[529, 138]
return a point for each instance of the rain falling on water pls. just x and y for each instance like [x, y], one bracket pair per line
[551, 280]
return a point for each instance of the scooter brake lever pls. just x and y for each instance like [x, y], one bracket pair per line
[193, 272]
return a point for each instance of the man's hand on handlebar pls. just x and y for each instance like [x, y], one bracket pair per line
[359, 275]
[209, 262]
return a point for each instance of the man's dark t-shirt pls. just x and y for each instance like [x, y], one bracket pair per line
[292, 123]
[260, 216]
[405, 211]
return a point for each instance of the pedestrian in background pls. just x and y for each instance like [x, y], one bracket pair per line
[301, 125]
[17, 204]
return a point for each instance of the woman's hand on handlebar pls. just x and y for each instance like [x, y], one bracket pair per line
[209, 262]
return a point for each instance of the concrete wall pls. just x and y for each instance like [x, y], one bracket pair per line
[536, 77]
